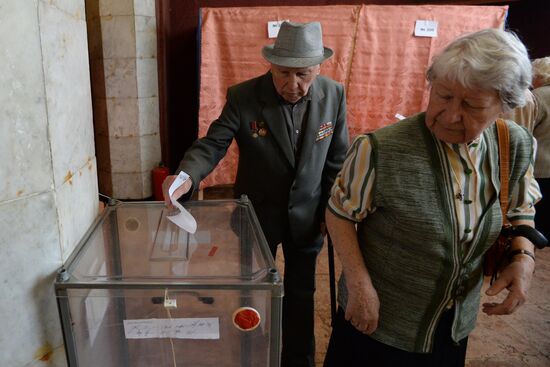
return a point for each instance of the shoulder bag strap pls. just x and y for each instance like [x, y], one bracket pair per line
[504, 164]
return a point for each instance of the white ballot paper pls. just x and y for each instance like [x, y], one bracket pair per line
[183, 219]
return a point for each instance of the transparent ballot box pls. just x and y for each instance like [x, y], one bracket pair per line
[140, 291]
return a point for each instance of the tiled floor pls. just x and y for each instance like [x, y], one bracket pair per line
[518, 340]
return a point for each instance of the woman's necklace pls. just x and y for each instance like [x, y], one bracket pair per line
[460, 194]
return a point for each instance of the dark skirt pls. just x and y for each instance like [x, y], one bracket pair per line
[351, 348]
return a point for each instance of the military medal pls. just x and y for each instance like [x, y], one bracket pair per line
[262, 131]
[257, 128]
[254, 129]
[325, 130]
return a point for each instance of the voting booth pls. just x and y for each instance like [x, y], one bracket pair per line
[140, 291]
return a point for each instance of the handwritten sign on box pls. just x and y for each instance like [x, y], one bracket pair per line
[182, 328]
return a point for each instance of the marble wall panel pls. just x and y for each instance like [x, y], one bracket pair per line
[77, 206]
[68, 93]
[25, 167]
[148, 115]
[29, 258]
[120, 78]
[118, 34]
[144, 7]
[150, 152]
[115, 7]
[126, 154]
[57, 359]
[123, 114]
[72, 8]
[147, 182]
[127, 185]
[46, 127]
[146, 37]
[147, 78]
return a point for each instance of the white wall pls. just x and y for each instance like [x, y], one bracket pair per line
[48, 175]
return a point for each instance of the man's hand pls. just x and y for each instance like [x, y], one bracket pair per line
[516, 277]
[362, 308]
[183, 189]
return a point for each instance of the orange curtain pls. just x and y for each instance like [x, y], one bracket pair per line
[376, 57]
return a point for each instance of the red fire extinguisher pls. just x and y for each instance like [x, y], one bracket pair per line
[159, 174]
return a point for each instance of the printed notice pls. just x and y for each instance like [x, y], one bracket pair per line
[185, 328]
[425, 28]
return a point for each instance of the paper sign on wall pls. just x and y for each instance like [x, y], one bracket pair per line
[425, 28]
[273, 27]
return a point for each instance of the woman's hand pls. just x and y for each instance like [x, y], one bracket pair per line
[363, 303]
[516, 277]
[363, 306]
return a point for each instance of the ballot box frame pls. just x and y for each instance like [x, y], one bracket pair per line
[271, 280]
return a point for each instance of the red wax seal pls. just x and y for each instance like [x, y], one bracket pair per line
[246, 318]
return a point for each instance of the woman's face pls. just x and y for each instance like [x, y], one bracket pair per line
[459, 115]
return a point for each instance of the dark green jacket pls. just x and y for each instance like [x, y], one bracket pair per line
[410, 243]
[287, 195]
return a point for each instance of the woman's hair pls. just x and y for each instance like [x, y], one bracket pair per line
[541, 72]
[491, 59]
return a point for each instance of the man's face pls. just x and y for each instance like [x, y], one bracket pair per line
[459, 115]
[293, 83]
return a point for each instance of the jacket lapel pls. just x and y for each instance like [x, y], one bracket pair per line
[274, 118]
[312, 125]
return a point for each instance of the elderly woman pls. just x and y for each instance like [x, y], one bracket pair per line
[415, 207]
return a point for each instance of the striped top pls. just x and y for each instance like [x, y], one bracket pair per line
[352, 193]
[535, 117]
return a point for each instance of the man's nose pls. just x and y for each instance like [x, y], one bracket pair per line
[293, 81]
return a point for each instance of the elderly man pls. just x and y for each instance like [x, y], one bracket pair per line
[290, 126]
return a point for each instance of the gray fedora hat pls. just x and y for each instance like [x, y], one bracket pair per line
[298, 45]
